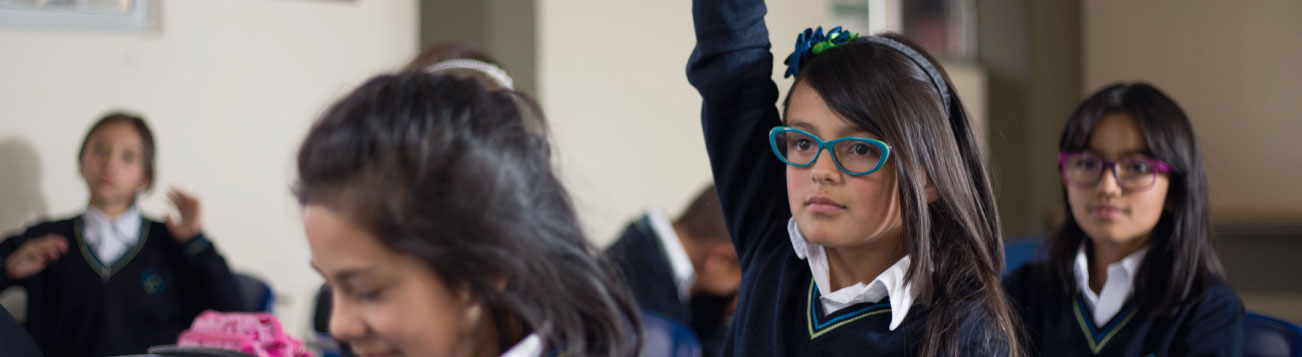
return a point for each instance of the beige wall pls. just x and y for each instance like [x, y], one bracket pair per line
[613, 82]
[1031, 51]
[1233, 67]
[503, 28]
[229, 87]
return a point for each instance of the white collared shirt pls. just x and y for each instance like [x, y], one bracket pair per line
[1116, 289]
[110, 237]
[530, 346]
[679, 262]
[891, 283]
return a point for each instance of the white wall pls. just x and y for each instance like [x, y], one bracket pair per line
[230, 88]
[1233, 67]
[612, 78]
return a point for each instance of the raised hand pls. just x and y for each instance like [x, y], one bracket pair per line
[34, 255]
[189, 224]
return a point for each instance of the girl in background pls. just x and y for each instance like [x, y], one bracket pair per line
[1132, 271]
[111, 281]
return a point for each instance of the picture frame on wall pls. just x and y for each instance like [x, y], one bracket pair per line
[80, 15]
[945, 28]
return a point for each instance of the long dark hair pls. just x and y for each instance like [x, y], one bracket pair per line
[442, 169]
[1181, 261]
[954, 243]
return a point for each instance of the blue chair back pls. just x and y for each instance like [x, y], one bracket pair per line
[255, 294]
[1266, 336]
[1021, 250]
[664, 337]
[14, 340]
[321, 325]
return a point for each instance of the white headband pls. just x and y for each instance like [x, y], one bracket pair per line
[489, 69]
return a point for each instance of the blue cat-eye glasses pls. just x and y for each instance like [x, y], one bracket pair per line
[854, 156]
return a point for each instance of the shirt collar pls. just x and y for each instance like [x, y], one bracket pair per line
[1118, 287]
[126, 226]
[530, 346]
[1129, 266]
[679, 262]
[891, 283]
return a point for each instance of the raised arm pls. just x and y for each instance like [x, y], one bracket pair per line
[731, 68]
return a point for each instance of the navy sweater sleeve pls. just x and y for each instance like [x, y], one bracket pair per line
[972, 340]
[1020, 286]
[11, 244]
[7, 248]
[206, 281]
[1214, 326]
[731, 68]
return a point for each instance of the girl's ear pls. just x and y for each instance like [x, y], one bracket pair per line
[500, 283]
[473, 309]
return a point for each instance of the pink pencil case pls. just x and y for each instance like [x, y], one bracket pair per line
[258, 334]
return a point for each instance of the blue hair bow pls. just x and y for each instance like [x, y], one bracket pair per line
[812, 42]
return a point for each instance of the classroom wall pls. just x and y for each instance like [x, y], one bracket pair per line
[612, 79]
[505, 29]
[230, 88]
[1232, 66]
[1031, 50]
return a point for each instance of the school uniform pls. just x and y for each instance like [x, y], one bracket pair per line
[1109, 323]
[124, 285]
[657, 270]
[785, 306]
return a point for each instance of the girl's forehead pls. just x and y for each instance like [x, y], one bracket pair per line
[830, 129]
[1117, 135]
[335, 240]
[807, 111]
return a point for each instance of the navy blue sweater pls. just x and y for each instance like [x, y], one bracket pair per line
[777, 311]
[645, 266]
[77, 306]
[1060, 325]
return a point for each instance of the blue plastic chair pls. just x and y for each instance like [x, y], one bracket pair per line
[664, 337]
[255, 294]
[14, 340]
[1266, 336]
[1021, 250]
[328, 346]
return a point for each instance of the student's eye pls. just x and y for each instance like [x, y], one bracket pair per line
[803, 144]
[368, 296]
[1139, 167]
[100, 150]
[1087, 163]
[129, 158]
[861, 149]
